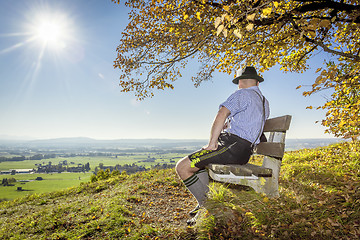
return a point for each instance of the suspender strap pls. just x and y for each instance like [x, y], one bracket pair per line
[263, 123]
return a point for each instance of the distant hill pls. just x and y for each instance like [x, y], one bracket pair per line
[83, 142]
[191, 144]
[296, 144]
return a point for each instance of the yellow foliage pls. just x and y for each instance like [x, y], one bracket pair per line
[250, 26]
[266, 12]
[198, 16]
[251, 17]
[226, 8]
[162, 35]
[219, 29]
[237, 33]
[343, 110]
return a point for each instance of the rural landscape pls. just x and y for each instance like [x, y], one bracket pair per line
[319, 198]
[62, 163]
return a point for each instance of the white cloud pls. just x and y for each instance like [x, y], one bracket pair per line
[101, 76]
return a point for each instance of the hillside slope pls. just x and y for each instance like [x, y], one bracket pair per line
[143, 205]
[320, 199]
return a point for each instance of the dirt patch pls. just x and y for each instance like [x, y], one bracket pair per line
[163, 205]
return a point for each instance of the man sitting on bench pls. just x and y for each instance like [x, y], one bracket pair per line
[247, 110]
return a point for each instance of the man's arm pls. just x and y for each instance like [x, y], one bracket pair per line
[217, 127]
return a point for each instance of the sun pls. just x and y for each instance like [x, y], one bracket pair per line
[45, 30]
[51, 31]
[47, 37]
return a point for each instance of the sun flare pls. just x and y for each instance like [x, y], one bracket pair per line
[51, 30]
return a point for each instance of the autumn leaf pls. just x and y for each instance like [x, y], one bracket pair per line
[226, 16]
[225, 32]
[266, 12]
[325, 23]
[219, 29]
[217, 22]
[312, 34]
[198, 16]
[251, 17]
[250, 26]
[237, 33]
[226, 8]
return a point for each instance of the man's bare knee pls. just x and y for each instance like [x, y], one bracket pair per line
[181, 165]
[183, 168]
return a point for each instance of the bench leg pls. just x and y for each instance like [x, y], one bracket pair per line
[266, 185]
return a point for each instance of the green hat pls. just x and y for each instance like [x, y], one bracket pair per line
[247, 73]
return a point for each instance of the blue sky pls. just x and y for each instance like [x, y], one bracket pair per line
[70, 89]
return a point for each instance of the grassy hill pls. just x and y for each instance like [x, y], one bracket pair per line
[320, 199]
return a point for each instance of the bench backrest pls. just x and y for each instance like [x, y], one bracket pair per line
[275, 146]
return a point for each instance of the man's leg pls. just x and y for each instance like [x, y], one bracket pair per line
[191, 180]
[204, 179]
[203, 176]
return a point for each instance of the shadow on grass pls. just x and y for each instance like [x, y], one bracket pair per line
[24, 190]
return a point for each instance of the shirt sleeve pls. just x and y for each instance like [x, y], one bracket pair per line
[235, 103]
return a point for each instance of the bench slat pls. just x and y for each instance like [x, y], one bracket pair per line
[278, 124]
[254, 169]
[273, 149]
[226, 169]
[241, 170]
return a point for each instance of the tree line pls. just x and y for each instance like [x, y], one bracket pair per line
[22, 158]
[62, 168]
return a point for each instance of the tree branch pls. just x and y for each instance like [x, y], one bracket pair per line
[323, 4]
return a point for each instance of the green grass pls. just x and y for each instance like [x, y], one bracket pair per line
[26, 164]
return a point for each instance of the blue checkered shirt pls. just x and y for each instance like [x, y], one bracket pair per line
[246, 113]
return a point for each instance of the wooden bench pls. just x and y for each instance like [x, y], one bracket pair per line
[265, 178]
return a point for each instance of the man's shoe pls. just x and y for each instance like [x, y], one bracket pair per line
[193, 212]
[192, 221]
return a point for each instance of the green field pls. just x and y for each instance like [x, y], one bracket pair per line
[58, 181]
[95, 161]
[51, 182]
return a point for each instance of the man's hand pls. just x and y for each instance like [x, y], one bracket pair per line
[216, 128]
[210, 146]
[226, 125]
